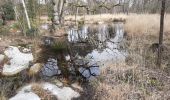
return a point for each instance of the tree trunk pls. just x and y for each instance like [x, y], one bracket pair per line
[26, 13]
[58, 11]
[161, 33]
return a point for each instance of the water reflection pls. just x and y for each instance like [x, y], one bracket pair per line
[106, 39]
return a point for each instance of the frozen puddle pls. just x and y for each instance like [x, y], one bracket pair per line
[18, 61]
[65, 93]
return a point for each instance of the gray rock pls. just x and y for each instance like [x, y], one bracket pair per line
[50, 68]
[85, 72]
[89, 73]
[95, 71]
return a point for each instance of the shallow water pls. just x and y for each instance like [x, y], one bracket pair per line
[104, 40]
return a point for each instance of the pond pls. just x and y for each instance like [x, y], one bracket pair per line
[98, 43]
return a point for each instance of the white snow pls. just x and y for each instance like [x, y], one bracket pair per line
[18, 61]
[26, 94]
[65, 93]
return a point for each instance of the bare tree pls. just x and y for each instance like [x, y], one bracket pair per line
[161, 33]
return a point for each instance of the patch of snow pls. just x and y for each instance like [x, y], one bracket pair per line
[65, 93]
[18, 61]
[26, 94]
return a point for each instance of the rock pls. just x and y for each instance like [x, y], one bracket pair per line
[50, 68]
[90, 72]
[18, 61]
[65, 93]
[85, 72]
[95, 71]
[2, 57]
[35, 69]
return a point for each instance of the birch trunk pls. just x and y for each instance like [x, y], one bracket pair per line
[26, 13]
[58, 8]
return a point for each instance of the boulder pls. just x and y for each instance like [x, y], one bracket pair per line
[50, 68]
[90, 72]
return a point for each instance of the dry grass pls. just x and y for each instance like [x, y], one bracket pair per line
[43, 94]
[107, 92]
[132, 83]
[145, 24]
[97, 18]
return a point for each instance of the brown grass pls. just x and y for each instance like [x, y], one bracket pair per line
[97, 18]
[145, 24]
[43, 94]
